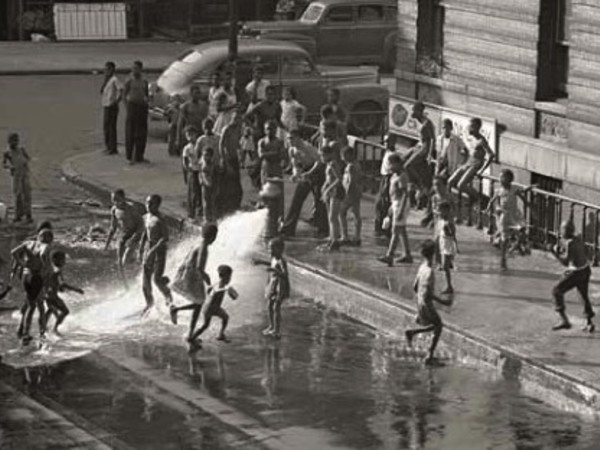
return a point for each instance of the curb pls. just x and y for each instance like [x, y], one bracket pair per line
[388, 314]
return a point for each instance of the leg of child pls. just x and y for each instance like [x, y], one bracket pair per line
[147, 272]
[447, 266]
[394, 241]
[407, 258]
[221, 314]
[357, 221]
[41, 317]
[206, 319]
[61, 313]
[277, 318]
[436, 329]
[583, 289]
[343, 223]
[334, 221]
[271, 316]
[504, 242]
[437, 332]
[565, 284]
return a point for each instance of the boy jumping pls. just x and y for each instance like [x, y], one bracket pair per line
[427, 316]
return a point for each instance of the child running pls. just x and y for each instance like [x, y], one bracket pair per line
[278, 286]
[124, 218]
[213, 306]
[576, 276]
[352, 182]
[508, 215]
[446, 242]
[399, 212]
[191, 279]
[427, 316]
[53, 286]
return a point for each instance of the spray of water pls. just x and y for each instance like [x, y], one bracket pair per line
[111, 313]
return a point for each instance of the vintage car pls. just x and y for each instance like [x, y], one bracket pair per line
[283, 64]
[340, 31]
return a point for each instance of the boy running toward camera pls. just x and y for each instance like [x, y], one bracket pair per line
[278, 286]
[213, 306]
[576, 276]
[427, 316]
[53, 286]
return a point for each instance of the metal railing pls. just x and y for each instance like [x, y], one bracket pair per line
[543, 211]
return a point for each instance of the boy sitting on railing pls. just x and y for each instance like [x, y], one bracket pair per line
[509, 218]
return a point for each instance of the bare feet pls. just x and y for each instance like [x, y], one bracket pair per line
[408, 334]
[223, 338]
[562, 325]
[147, 310]
[267, 331]
[173, 314]
[386, 260]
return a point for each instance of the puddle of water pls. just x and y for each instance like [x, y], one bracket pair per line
[329, 383]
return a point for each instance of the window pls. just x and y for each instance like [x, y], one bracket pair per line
[296, 66]
[340, 14]
[312, 13]
[370, 13]
[391, 14]
[553, 46]
[430, 38]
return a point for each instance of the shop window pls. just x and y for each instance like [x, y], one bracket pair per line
[553, 50]
[430, 38]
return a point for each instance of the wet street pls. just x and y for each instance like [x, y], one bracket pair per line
[115, 381]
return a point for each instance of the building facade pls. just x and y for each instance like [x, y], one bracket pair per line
[532, 65]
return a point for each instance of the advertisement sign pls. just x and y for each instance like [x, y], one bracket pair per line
[400, 120]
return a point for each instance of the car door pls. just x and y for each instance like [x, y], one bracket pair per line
[371, 28]
[298, 72]
[336, 38]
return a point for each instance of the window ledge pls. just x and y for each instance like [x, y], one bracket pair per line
[558, 108]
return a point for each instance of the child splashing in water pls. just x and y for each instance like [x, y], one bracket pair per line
[212, 307]
[53, 286]
[278, 286]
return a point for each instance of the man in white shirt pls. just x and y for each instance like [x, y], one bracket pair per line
[257, 88]
[111, 93]
[451, 151]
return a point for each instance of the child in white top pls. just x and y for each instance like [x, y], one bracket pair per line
[247, 146]
[446, 240]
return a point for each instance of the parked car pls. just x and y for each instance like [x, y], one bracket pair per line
[283, 64]
[340, 31]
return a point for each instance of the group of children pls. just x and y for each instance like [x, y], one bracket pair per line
[39, 266]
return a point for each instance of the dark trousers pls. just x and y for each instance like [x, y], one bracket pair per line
[111, 113]
[136, 132]
[303, 189]
[574, 279]
[194, 197]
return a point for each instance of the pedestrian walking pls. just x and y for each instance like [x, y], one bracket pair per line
[136, 93]
[16, 160]
[112, 93]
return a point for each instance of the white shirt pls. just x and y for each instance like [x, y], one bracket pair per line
[261, 89]
[451, 150]
[111, 92]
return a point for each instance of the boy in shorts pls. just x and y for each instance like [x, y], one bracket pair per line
[446, 243]
[124, 218]
[191, 278]
[399, 212]
[53, 286]
[212, 307]
[278, 286]
[427, 316]
[352, 182]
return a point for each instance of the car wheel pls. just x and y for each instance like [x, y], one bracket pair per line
[366, 119]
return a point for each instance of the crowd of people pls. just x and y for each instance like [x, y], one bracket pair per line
[216, 135]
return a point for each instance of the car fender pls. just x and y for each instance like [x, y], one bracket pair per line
[352, 94]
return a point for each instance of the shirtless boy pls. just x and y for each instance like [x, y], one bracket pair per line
[153, 252]
[124, 218]
[576, 276]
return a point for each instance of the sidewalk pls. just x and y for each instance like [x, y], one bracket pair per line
[48, 58]
[507, 316]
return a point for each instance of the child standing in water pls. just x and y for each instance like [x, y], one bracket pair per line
[213, 306]
[427, 316]
[278, 286]
[191, 278]
[446, 242]
[352, 182]
[53, 286]
[576, 276]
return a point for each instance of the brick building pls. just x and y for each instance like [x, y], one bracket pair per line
[532, 65]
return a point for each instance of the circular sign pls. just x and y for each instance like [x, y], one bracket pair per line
[399, 115]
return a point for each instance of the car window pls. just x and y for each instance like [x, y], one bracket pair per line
[312, 13]
[340, 14]
[295, 66]
[370, 13]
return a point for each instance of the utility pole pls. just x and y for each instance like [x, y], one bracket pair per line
[233, 33]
